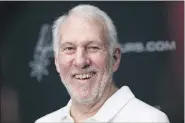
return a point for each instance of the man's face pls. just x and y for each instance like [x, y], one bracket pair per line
[83, 61]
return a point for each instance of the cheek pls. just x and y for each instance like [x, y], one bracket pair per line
[101, 61]
[64, 64]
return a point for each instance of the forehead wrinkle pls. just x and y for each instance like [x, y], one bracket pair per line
[99, 23]
[85, 42]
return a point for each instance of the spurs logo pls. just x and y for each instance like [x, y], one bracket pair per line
[42, 53]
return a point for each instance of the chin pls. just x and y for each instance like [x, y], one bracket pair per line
[86, 101]
[85, 98]
[84, 95]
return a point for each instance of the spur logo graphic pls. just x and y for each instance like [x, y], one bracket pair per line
[42, 53]
[43, 50]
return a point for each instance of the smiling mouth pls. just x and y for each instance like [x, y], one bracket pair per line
[84, 76]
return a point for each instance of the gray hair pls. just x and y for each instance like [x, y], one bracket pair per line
[90, 12]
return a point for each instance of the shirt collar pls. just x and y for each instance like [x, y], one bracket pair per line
[66, 111]
[114, 104]
[110, 108]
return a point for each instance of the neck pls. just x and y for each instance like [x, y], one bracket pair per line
[81, 112]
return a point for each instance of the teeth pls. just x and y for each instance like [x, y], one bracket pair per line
[83, 76]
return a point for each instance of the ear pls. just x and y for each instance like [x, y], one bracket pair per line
[116, 59]
[56, 62]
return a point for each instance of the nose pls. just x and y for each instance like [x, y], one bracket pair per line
[81, 59]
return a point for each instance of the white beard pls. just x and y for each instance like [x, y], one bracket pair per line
[97, 91]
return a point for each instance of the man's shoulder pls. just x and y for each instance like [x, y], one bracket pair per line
[142, 110]
[139, 104]
[54, 116]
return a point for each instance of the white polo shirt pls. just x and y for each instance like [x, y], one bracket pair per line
[122, 106]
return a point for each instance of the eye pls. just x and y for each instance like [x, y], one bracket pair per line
[69, 50]
[93, 48]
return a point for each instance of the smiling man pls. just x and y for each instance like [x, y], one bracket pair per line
[87, 54]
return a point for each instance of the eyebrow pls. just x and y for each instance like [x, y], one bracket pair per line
[93, 42]
[87, 43]
[65, 43]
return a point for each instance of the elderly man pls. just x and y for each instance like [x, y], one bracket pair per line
[87, 54]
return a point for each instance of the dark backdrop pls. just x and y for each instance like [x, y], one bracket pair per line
[155, 76]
